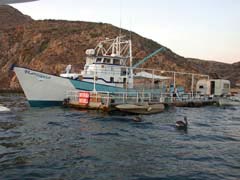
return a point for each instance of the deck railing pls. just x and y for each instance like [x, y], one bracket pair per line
[137, 97]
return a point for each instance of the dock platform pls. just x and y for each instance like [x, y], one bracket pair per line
[132, 102]
[192, 103]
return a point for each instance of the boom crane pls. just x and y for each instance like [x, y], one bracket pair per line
[148, 57]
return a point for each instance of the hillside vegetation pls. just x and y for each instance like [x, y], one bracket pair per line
[50, 45]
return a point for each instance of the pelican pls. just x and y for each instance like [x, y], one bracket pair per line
[182, 124]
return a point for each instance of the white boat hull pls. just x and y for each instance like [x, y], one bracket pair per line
[42, 89]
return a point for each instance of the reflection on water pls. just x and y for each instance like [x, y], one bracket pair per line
[57, 143]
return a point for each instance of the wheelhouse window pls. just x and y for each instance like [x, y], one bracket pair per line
[98, 60]
[226, 86]
[123, 72]
[116, 61]
[107, 61]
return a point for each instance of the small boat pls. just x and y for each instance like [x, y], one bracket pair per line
[230, 101]
[141, 108]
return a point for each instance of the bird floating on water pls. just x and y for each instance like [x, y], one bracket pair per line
[4, 109]
[182, 124]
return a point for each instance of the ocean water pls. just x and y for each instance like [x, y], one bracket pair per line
[59, 143]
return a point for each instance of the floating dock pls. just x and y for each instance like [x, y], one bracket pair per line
[132, 102]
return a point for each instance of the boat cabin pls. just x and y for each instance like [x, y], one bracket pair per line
[107, 64]
[108, 69]
[216, 87]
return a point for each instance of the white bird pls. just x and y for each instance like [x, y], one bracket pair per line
[137, 119]
[4, 109]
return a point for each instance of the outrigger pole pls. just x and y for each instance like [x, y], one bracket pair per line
[149, 56]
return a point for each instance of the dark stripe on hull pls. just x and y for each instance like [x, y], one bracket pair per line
[88, 86]
[45, 103]
[104, 80]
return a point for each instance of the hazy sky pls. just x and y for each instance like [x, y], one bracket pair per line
[205, 29]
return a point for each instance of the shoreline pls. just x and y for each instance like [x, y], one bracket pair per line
[11, 91]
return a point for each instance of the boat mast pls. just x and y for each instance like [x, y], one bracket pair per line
[118, 48]
[131, 68]
[130, 52]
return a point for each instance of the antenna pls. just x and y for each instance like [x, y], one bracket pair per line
[120, 20]
[130, 29]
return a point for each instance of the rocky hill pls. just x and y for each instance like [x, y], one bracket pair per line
[50, 45]
[10, 17]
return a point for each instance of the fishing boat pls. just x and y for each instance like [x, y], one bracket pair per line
[106, 69]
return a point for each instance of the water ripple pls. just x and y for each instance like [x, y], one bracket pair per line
[61, 143]
[106, 134]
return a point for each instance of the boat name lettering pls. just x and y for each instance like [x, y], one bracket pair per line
[37, 74]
